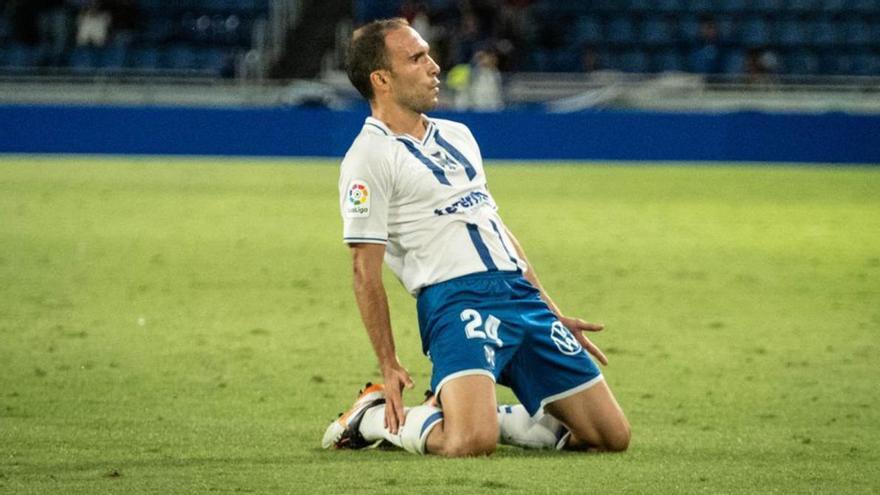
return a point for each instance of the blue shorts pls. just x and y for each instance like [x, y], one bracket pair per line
[496, 324]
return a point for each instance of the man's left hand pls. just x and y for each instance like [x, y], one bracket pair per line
[577, 327]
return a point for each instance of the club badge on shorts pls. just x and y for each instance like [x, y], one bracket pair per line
[357, 203]
[564, 340]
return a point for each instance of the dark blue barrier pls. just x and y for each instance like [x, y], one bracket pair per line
[594, 135]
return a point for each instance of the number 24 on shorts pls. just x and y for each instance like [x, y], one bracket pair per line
[474, 321]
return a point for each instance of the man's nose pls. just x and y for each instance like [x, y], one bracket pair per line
[434, 69]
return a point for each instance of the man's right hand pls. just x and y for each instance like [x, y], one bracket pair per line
[396, 379]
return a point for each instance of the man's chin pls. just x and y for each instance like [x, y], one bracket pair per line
[425, 108]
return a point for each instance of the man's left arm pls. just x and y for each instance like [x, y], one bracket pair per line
[577, 326]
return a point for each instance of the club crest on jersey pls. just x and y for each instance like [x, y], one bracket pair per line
[445, 161]
[357, 203]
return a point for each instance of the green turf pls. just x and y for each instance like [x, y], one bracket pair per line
[187, 325]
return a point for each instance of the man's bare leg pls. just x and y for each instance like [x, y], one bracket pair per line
[594, 418]
[470, 418]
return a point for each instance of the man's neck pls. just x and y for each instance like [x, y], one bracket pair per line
[401, 121]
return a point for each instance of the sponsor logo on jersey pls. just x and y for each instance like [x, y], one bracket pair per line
[564, 340]
[472, 199]
[358, 200]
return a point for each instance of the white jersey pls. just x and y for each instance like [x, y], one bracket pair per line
[427, 201]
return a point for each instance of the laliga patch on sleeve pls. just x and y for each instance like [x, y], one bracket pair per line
[357, 201]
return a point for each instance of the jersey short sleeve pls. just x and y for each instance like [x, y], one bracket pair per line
[364, 191]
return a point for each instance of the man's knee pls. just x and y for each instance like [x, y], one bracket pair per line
[609, 439]
[470, 443]
[617, 439]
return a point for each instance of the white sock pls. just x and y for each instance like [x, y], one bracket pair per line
[412, 436]
[420, 420]
[519, 428]
[373, 426]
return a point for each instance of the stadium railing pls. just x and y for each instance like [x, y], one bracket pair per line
[558, 92]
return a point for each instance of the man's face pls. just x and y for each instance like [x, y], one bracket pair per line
[413, 74]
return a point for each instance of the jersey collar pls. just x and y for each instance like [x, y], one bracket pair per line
[378, 124]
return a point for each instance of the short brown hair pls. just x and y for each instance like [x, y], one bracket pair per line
[366, 53]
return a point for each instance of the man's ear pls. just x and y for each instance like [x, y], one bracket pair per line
[379, 79]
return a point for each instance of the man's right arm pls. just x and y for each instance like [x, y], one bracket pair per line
[373, 304]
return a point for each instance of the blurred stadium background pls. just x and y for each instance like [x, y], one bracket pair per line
[803, 57]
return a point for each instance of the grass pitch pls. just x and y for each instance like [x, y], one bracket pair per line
[187, 325]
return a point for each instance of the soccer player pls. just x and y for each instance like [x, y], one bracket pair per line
[413, 192]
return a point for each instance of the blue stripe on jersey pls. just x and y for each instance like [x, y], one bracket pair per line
[482, 250]
[431, 127]
[377, 127]
[438, 172]
[468, 168]
[501, 239]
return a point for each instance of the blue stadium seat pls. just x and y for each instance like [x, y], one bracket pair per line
[83, 59]
[621, 31]
[866, 7]
[727, 27]
[801, 62]
[145, 58]
[857, 33]
[635, 61]
[866, 64]
[588, 30]
[212, 59]
[638, 6]
[254, 6]
[218, 5]
[833, 62]
[21, 56]
[793, 32]
[607, 5]
[707, 60]
[833, 6]
[802, 6]
[114, 55]
[827, 33]
[565, 60]
[701, 6]
[539, 60]
[657, 32]
[180, 57]
[689, 27]
[668, 60]
[755, 32]
[734, 6]
[573, 8]
[734, 62]
[671, 6]
[770, 7]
